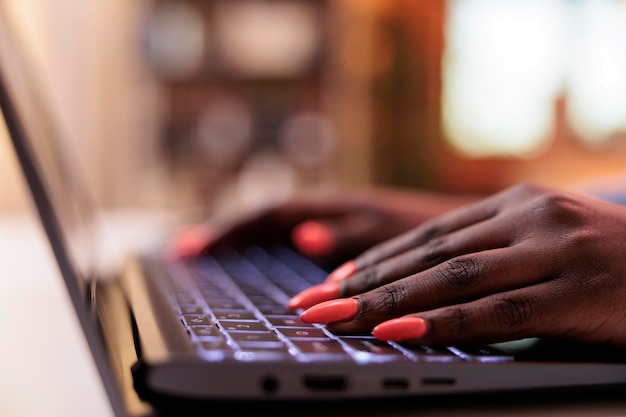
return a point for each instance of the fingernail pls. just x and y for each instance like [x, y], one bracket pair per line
[314, 295]
[313, 238]
[189, 242]
[343, 272]
[331, 311]
[403, 328]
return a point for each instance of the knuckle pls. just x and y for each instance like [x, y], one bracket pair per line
[549, 201]
[435, 252]
[556, 206]
[455, 320]
[460, 272]
[425, 233]
[527, 189]
[365, 280]
[370, 277]
[389, 299]
[512, 312]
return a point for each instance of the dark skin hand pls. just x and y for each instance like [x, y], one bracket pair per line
[335, 226]
[530, 261]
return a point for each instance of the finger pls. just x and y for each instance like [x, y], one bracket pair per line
[461, 279]
[479, 237]
[446, 223]
[537, 311]
[314, 238]
[275, 224]
[344, 236]
[188, 242]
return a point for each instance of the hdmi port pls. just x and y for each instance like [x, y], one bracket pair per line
[395, 383]
[325, 383]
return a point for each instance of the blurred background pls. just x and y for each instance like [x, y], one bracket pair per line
[206, 104]
[205, 107]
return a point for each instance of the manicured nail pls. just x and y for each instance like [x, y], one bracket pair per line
[343, 272]
[189, 242]
[313, 238]
[403, 328]
[331, 311]
[314, 295]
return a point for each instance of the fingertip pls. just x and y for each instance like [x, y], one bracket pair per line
[345, 271]
[189, 242]
[314, 295]
[403, 328]
[338, 310]
[313, 238]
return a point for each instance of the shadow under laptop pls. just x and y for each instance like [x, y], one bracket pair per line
[581, 401]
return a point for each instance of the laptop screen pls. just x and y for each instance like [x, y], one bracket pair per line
[55, 184]
[50, 151]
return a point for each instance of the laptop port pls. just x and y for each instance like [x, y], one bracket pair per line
[395, 383]
[325, 382]
[269, 384]
[438, 381]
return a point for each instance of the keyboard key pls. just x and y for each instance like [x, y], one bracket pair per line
[216, 295]
[185, 299]
[215, 350]
[191, 309]
[287, 321]
[310, 333]
[234, 315]
[370, 349]
[275, 310]
[251, 354]
[320, 347]
[217, 344]
[223, 304]
[205, 331]
[481, 354]
[255, 337]
[430, 354]
[264, 300]
[242, 326]
[193, 320]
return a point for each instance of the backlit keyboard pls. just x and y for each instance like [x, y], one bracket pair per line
[233, 305]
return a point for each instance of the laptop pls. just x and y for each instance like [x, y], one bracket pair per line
[169, 334]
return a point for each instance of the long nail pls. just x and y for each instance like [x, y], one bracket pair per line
[313, 238]
[343, 272]
[403, 328]
[189, 243]
[331, 311]
[314, 295]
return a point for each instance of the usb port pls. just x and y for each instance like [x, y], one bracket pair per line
[395, 383]
[325, 382]
[438, 381]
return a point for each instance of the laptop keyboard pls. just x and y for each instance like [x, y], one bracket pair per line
[233, 306]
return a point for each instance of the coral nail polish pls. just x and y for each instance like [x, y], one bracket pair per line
[343, 272]
[188, 243]
[313, 238]
[403, 328]
[314, 295]
[330, 311]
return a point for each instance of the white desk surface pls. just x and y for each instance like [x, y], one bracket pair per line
[45, 367]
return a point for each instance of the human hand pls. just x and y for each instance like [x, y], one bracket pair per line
[527, 262]
[330, 228]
